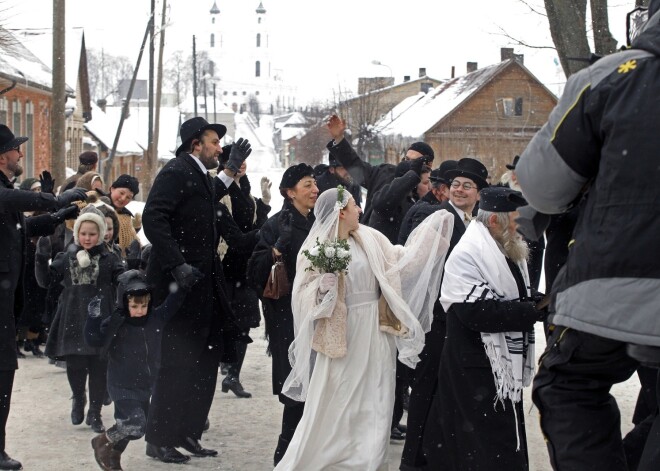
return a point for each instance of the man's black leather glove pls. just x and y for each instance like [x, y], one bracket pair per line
[285, 228]
[186, 276]
[411, 164]
[69, 212]
[69, 196]
[240, 151]
[47, 182]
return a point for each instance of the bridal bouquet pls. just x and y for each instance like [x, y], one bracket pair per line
[330, 256]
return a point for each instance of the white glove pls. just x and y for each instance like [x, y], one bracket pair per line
[265, 189]
[328, 282]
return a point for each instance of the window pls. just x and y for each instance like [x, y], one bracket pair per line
[234, 93]
[212, 40]
[29, 133]
[16, 121]
[259, 20]
[244, 93]
[257, 69]
[224, 93]
[518, 108]
[258, 39]
[425, 87]
[3, 110]
[257, 93]
[213, 20]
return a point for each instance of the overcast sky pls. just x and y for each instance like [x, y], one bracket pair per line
[331, 43]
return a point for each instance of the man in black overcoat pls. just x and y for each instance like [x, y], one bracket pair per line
[13, 240]
[184, 221]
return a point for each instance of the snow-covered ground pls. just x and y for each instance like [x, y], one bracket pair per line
[40, 434]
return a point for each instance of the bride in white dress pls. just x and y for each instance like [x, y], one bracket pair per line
[349, 399]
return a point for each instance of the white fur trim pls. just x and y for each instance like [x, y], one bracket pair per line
[90, 213]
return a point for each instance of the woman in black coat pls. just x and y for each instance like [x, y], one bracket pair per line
[283, 235]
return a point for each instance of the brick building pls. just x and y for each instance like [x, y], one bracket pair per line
[490, 114]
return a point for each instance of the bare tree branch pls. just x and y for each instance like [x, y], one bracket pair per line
[518, 41]
[533, 9]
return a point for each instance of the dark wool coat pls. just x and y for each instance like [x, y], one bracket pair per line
[422, 412]
[34, 308]
[371, 177]
[429, 199]
[476, 433]
[277, 313]
[391, 203]
[184, 221]
[249, 214]
[81, 285]
[133, 350]
[13, 233]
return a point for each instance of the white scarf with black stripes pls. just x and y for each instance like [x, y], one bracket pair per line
[477, 270]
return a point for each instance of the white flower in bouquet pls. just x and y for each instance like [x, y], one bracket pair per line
[329, 252]
[314, 251]
[343, 253]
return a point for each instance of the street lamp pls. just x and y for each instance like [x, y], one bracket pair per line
[376, 62]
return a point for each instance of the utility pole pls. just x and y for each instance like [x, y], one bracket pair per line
[194, 76]
[57, 117]
[150, 139]
[153, 158]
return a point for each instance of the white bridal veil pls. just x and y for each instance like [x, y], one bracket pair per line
[409, 279]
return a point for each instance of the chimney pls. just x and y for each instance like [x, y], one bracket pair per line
[102, 103]
[422, 72]
[453, 71]
[520, 58]
[406, 78]
[506, 53]
[471, 67]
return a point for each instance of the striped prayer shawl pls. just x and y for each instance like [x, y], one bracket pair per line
[477, 270]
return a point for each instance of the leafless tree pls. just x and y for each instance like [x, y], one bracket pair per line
[106, 71]
[178, 75]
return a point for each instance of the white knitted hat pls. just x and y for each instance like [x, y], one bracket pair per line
[90, 213]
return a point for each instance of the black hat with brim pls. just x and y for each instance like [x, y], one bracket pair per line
[472, 169]
[439, 175]
[7, 139]
[512, 166]
[195, 126]
[500, 199]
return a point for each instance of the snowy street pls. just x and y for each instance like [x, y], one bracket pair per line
[40, 434]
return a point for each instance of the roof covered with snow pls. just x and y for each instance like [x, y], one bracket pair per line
[18, 63]
[134, 135]
[41, 45]
[415, 115]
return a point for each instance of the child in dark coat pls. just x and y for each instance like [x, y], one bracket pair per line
[132, 339]
[85, 270]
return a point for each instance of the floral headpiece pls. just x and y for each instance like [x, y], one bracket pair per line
[340, 204]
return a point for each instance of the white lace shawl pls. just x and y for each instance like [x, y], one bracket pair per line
[477, 270]
[409, 279]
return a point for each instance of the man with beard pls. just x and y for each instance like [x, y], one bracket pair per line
[13, 234]
[184, 222]
[333, 175]
[488, 355]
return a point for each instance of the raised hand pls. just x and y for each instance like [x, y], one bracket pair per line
[240, 151]
[336, 126]
[265, 189]
[47, 182]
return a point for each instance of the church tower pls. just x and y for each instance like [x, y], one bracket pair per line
[261, 53]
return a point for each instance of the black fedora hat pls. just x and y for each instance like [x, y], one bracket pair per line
[7, 139]
[194, 126]
[472, 169]
[439, 175]
[512, 166]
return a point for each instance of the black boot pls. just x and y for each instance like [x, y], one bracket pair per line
[19, 354]
[232, 383]
[282, 445]
[166, 454]
[78, 409]
[33, 347]
[6, 462]
[94, 420]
